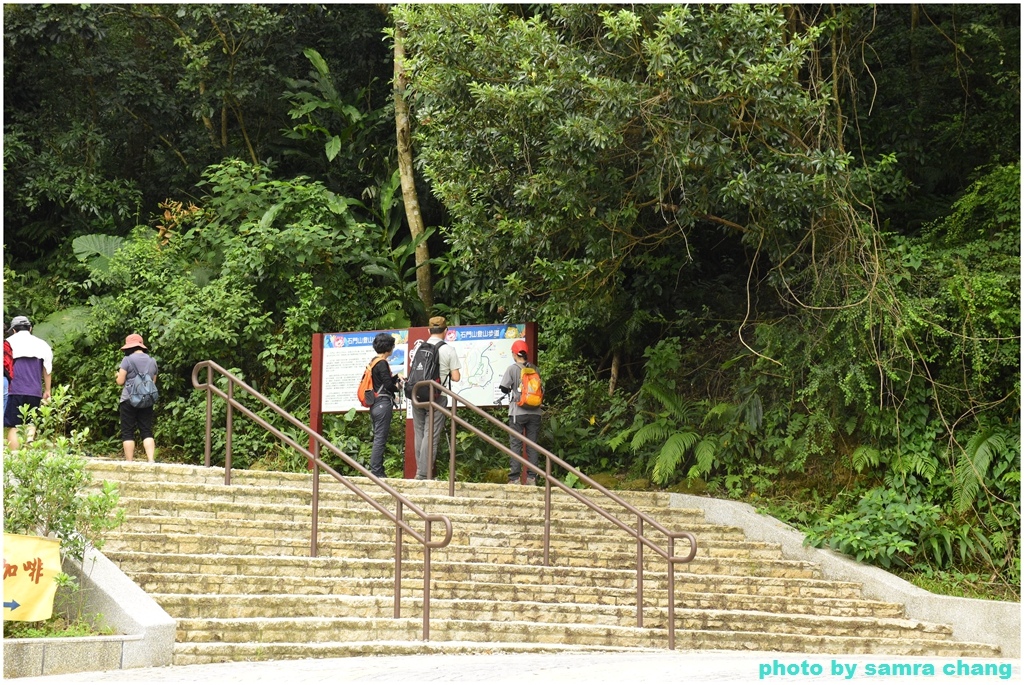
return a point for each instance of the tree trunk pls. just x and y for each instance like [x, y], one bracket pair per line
[614, 380]
[424, 287]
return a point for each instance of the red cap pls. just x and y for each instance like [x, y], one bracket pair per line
[519, 347]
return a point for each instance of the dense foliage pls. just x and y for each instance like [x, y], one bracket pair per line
[774, 251]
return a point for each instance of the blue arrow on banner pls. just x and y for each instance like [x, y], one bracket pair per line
[12, 605]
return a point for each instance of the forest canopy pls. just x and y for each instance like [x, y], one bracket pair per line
[773, 251]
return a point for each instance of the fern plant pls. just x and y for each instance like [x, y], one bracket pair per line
[974, 463]
[675, 428]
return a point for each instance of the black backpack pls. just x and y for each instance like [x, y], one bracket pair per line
[142, 392]
[426, 365]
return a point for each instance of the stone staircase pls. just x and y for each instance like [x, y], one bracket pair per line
[231, 564]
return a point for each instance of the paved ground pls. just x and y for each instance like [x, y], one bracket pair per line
[650, 668]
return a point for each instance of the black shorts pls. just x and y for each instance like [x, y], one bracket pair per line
[132, 418]
[12, 415]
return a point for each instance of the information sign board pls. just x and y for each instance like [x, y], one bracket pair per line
[484, 354]
[345, 356]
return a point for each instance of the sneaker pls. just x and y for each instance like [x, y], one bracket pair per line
[531, 481]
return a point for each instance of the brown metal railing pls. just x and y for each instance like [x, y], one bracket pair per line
[641, 539]
[401, 502]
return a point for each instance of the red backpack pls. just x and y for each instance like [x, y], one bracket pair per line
[8, 361]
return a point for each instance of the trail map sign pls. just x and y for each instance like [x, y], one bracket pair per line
[484, 354]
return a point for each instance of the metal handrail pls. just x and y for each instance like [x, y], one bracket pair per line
[313, 456]
[642, 518]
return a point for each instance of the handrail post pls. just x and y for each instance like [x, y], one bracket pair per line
[429, 456]
[451, 453]
[314, 534]
[398, 561]
[639, 572]
[547, 510]
[671, 593]
[426, 581]
[209, 417]
[227, 445]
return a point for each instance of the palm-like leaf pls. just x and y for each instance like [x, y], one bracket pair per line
[673, 402]
[65, 325]
[704, 457]
[672, 454]
[652, 432]
[972, 466]
[95, 251]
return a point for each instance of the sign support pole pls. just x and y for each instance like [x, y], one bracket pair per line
[316, 415]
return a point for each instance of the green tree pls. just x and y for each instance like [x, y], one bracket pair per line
[582, 154]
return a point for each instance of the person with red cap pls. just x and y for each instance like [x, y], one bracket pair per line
[524, 420]
[136, 362]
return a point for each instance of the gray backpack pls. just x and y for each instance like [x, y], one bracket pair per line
[142, 392]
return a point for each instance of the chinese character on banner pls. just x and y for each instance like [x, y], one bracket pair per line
[31, 565]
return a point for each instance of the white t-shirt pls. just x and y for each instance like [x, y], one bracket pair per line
[448, 359]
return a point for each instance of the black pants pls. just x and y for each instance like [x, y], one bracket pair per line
[380, 413]
[132, 418]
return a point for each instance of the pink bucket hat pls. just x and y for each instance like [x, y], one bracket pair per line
[133, 340]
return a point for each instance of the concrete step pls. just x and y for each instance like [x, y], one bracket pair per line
[230, 514]
[178, 588]
[141, 472]
[366, 629]
[295, 571]
[478, 530]
[259, 630]
[174, 543]
[567, 612]
[186, 653]
[565, 510]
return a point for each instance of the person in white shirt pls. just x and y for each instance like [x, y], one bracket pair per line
[426, 450]
[33, 364]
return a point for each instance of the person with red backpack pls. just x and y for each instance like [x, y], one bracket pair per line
[522, 382]
[31, 368]
[8, 369]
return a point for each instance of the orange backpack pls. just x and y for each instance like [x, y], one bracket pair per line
[531, 390]
[366, 393]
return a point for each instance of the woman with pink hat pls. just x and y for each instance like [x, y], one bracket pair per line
[136, 363]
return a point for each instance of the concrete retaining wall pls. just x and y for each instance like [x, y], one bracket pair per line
[146, 631]
[973, 620]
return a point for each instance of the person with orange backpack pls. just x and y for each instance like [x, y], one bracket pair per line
[383, 390]
[523, 384]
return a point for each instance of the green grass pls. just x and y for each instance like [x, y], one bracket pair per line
[958, 584]
[58, 626]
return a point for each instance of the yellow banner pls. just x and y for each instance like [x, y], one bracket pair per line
[31, 565]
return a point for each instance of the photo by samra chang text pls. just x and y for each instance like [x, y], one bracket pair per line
[847, 669]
